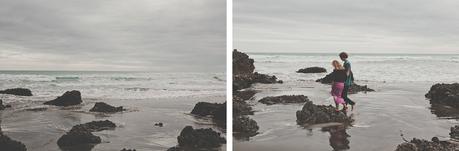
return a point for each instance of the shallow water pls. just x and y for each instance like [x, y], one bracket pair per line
[40, 130]
[396, 108]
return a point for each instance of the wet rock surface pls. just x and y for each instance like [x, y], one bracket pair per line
[67, 99]
[316, 114]
[17, 91]
[106, 108]
[240, 107]
[216, 111]
[312, 70]
[124, 149]
[243, 75]
[80, 136]
[198, 139]
[454, 132]
[425, 145]
[284, 99]
[8, 144]
[2, 107]
[244, 127]
[244, 95]
[445, 94]
[355, 88]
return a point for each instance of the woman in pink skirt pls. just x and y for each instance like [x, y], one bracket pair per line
[338, 77]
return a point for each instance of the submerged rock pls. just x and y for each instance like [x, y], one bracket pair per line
[446, 94]
[159, 124]
[215, 110]
[67, 99]
[454, 132]
[106, 108]
[198, 139]
[8, 144]
[244, 127]
[425, 145]
[2, 107]
[81, 135]
[17, 91]
[316, 114]
[284, 99]
[312, 70]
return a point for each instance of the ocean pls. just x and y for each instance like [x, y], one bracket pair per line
[397, 107]
[149, 98]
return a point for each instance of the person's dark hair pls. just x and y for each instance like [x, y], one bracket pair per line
[343, 55]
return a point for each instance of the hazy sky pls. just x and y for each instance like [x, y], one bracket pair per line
[157, 35]
[364, 26]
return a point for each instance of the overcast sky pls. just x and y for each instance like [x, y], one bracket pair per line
[364, 26]
[155, 35]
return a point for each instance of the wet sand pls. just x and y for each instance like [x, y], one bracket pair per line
[39, 130]
[380, 118]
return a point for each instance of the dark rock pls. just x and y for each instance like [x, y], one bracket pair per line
[124, 149]
[325, 80]
[242, 64]
[17, 91]
[425, 145]
[316, 114]
[454, 132]
[446, 94]
[80, 136]
[240, 107]
[244, 127]
[215, 110]
[38, 109]
[175, 148]
[312, 70]
[105, 108]
[244, 95]
[355, 88]
[67, 99]
[159, 124]
[199, 139]
[338, 137]
[2, 107]
[284, 99]
[8, 144]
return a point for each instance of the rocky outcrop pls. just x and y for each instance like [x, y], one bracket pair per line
[445, 94]
[81, 135]
[312, 70]
[242, 64]
[244, 95]
[124, 149]
[2, 107]
[67, 99]
[425, 145]
[316, 114]
[355, 88]
[240, 107]
[106, 108]
[216, 111]
[454, 132]
[284, 99]
[244, 127]
[243, 75]
[8, 144]
[17, 91]
[198, 139]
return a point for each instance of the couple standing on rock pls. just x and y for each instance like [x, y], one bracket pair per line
[342, 78]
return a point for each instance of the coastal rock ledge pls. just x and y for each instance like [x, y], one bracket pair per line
[446, 94]
[81, 135]
[312, 70]
[67, 99]
[17, 91]
[284, 99]
[8, 144]
[425, 145]
[106, 108]
[198, 139]
[316, 114]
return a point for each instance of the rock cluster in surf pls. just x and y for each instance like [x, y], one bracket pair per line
[8, 144]
[424, 145]
[17, 91]
[67, 99]
[217, 111]
[198, 139]
[284, 99]
[106, 108]
[312, 70]
[81, 135]
[445, 94]
[316, 114]
[355, 88]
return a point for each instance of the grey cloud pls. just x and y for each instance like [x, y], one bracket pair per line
[173, 35]
[410, 26]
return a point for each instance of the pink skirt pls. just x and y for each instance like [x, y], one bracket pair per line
[337, 92]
